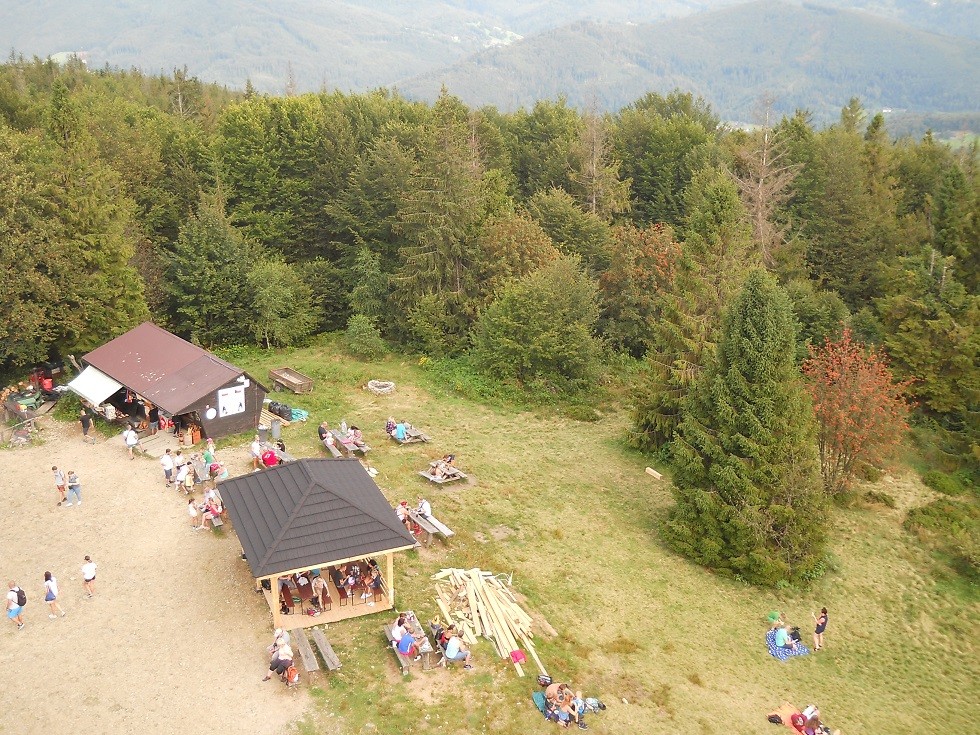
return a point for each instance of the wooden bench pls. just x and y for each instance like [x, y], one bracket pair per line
[404, 661]
[332, 448]
[431, 526]
[306, 653]
[325, 649]
[216, 523]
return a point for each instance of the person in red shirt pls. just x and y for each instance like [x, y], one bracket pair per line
[269, 458]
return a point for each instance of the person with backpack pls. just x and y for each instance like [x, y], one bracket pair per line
[16, 599]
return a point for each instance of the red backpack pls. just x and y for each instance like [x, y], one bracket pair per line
[292, 676]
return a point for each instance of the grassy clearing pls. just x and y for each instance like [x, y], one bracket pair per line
[568, 509]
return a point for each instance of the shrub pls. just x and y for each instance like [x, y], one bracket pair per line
[943, 483]
[539, 329]
[877, 498]
[362, 338]
[951, 527]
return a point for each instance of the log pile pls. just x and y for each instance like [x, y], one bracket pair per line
[480, 605]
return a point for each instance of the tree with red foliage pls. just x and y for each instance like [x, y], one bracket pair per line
[860, 409]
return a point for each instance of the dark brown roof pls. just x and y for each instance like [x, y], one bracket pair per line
[311, 513]
[169, 371]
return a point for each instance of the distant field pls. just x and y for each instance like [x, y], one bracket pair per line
[566, 508]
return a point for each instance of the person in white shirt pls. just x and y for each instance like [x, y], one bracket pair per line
[282, 659]
[88, 575]
[51, 595]
[256, 449]
[456, 651]
[14, 608]
[132, 440]
[167, 462]
[424, 509]
[398, 629]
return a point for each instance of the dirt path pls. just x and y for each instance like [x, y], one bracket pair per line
[175, 637]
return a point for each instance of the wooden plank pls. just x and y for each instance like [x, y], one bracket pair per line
[265, 418]
[306, 652]
[653, 473]
[326, 650]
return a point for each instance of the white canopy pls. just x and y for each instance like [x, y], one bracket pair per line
[94, 385]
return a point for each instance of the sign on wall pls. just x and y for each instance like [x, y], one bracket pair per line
[231, 400]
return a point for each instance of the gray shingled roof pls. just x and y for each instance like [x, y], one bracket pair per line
[310, 513]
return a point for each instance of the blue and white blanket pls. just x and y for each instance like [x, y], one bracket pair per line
[784, 653]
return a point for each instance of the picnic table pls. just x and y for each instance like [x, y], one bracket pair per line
[430, 525]
[425, 647]
[412, 436]
[450, 473]
[345, 444]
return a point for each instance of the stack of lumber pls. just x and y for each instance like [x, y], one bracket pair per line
[479, 604]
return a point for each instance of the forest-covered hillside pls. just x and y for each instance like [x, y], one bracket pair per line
[804, 57]
[547, 252]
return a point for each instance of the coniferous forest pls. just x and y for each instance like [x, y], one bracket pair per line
[547, 248]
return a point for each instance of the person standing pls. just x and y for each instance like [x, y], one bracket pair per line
[60, 483]
[256, 450]
[88, 575]
[85, 419]
[74, 488]
[821, 621]
[167, 462]
[132, 440]
[16, 599]
[51, 595]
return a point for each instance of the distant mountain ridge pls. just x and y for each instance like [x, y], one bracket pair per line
[513, 52]
[805, 56]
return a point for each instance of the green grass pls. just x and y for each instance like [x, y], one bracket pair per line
[567, 508]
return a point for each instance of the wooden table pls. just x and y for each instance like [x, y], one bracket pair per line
[344, 443]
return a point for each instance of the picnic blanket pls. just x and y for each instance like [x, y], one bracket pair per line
[784, 653]
[298, 414]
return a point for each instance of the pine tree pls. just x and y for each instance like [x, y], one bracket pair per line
[746, 480]
[207, 279]
[716, 253]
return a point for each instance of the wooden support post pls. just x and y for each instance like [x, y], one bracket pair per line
[276, 614]
[390, 577]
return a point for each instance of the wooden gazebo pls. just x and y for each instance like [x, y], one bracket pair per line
[314, 514]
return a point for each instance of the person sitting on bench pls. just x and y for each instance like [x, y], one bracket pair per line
[456, 651]
[401, 431]
[401, 510]
[424, 509]
[408, 645]
[282, 659]
[357, 437]
[319, 587]
[390, 426]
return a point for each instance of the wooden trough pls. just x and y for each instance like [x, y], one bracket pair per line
[285, 378]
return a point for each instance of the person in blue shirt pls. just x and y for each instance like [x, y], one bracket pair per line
[783, 639]
[400, 431]
[455, 651]
[408, 646]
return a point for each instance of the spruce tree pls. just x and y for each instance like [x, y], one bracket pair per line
[746, 481]
[714, 257]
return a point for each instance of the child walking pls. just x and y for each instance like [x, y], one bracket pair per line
[192, 512]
